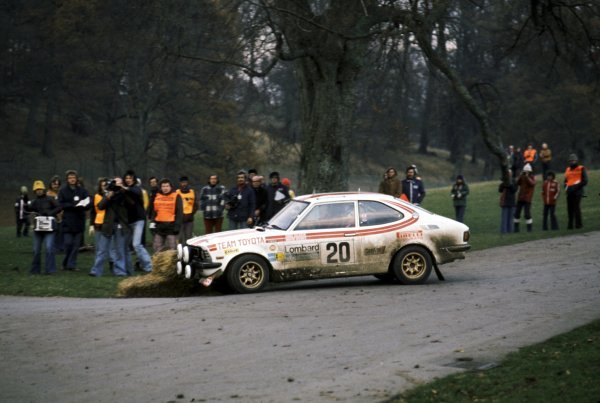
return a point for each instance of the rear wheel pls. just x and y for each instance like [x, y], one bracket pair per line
[248, 274]
[412, 265]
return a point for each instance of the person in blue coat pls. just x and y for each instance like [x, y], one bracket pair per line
[240, 203]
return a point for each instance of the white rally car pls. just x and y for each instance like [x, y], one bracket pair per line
[326, 236]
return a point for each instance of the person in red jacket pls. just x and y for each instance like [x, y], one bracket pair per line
[526, 184]
[550, 192]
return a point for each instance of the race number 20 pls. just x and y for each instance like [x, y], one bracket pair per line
[337, 253]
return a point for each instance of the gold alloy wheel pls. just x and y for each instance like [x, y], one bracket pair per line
[414, 265]
[251, 274]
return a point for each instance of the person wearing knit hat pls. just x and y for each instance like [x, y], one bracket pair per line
[288, 183]
[459, 193]
[22, 219]
[44, 208]
[526, 185]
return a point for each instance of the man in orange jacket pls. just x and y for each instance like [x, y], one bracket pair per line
[575, 180]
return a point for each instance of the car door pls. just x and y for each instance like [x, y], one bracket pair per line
[323, 243]
[378, 234]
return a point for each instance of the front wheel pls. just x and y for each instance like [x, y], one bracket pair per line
[248, 274]
[412, 265]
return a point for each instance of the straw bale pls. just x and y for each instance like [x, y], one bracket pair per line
[161, 282]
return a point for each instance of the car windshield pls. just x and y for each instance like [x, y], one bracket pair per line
[287, 215]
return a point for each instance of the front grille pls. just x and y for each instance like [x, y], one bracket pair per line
[204, 255]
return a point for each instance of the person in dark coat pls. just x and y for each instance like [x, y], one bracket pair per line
[278, 195]
[508, 191]
[240, 203]
[459, 193]
[75, 201]
[44, 208]
[262, 199]
[413, 189]
[114, 229]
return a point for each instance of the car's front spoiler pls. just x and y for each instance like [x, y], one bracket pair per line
[457, 248]
[205, 265]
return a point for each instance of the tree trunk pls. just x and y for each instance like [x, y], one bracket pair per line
[427, 105]
[327, 113]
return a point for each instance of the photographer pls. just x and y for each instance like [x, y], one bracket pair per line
[240, 203]
[111, 223]
[526, 185]
[137, 221]
[166, 214]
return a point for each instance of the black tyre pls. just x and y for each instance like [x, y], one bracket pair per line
[412, 265]
[249, 273]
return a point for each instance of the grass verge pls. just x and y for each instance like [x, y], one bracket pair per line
[564, 368]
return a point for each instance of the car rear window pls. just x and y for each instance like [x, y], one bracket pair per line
[375, 213]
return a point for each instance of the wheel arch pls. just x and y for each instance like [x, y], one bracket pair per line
[399, 250]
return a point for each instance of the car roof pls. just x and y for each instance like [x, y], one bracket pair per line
[348, 196]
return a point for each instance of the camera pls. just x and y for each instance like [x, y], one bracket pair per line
[232, 200]
[112, 186]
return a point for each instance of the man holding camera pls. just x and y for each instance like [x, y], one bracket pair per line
[526, 185]
[240, 203]
[112, 221]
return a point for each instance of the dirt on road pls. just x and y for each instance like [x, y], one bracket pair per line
[356, 340]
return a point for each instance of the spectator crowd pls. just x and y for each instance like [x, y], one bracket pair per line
[121, 209]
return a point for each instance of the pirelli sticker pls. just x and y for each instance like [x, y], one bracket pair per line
[409, 234]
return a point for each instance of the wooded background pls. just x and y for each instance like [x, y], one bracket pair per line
[327, 90]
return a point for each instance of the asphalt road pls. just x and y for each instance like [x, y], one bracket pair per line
[356, 340]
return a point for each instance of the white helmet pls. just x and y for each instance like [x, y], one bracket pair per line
[527, 168]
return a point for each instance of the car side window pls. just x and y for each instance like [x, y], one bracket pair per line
[330, 215]
[375, 213]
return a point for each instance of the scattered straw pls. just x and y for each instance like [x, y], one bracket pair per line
[161, 282]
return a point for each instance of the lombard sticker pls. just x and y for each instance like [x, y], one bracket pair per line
[230, 251]
[410, 234]
[302, 252]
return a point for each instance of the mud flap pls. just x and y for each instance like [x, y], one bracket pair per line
[438, 273]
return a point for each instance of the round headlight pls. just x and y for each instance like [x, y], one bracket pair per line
[186, 254]
[189, 272]
[179, 268]
[179, 251]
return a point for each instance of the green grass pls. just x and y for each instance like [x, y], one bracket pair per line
[564, 368]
